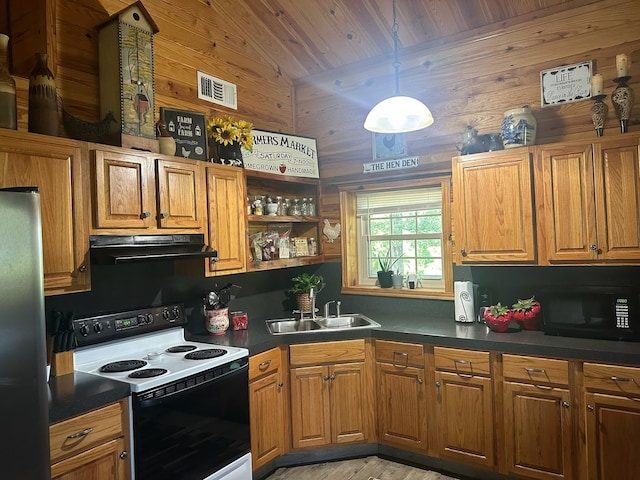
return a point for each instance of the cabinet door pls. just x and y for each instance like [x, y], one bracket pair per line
[402, 414]
[464, 406]
[617, 180]
[226, 218]
[493, 201]
[566, 208]
[267, 419]
[310, 414]
[613, 437]
[124, 191]
[56, 169]
[537, 426]
[347, 400]
[108, 461]
[179, 186]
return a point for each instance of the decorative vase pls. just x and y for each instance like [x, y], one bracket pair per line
[397, 281]
[43, 101]
[384, 278]
[230, 154]
[166, 142]
[518, 127]
[599, 111]
[217, 321]
[8, 113]
[622, 99]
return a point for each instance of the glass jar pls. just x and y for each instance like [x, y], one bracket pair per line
[304, 211]
[286, 205]
[311, 207]
[295, 208]
[257, 205]
[313, 246]
[281, 208]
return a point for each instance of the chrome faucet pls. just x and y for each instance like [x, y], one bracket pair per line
[312, 297]
[326, 308]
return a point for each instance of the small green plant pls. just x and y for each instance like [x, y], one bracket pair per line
[386, 262]
[304, 282]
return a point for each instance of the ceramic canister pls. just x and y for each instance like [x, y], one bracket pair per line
[217, 320]
[518, 127]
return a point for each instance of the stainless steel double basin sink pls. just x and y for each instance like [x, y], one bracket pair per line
[351, 321]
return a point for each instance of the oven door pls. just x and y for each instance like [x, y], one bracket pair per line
[193, 428]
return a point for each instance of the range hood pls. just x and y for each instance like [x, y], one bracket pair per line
[120, 249]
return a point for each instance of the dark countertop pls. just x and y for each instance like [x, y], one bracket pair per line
[77, 393]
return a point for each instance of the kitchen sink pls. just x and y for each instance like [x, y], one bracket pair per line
[352, 321]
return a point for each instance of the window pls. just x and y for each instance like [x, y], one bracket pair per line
[407, 221]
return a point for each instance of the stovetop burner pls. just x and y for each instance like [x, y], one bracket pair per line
[181, 348]
[148, 373]
[205, 354]
[122, 366]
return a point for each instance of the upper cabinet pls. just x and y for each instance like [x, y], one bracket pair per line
[146, 193]
[493, 207]
[588, 201]
[56, 167]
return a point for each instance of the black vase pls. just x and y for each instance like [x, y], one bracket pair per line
[43, 102]
[230, 154]
[384, 278]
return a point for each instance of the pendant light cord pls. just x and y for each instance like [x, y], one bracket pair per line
[396, 62]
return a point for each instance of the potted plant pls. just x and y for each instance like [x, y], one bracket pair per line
[385, 273]
[302, 285]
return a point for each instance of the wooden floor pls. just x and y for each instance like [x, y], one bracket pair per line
[369, 468]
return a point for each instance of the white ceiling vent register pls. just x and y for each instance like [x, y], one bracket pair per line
[217, 91]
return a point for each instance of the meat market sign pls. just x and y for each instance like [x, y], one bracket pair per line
[282, 154]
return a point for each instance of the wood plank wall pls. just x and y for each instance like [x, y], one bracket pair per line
[470, 81]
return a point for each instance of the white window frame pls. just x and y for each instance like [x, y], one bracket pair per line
[355, 269]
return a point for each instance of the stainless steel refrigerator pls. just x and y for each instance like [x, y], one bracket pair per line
[24, 406]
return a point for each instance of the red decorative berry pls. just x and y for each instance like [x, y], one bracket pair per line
[527, 313]
[498, 317]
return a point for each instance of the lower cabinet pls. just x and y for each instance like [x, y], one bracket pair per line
[267, 394]
[612, 421]
[537, 417]
[91, 446]
[464, 406]
[330, 400]
[402, 406]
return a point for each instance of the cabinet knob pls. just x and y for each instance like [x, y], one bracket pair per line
[164, 214]
[590, 408]
[280, 384]
[144, 215]
[437, 384]
[332, 377]
[420, 381]
[123, 455]
[593, 247]
[325, 378]
[83, 268]
[463, 252]
[565, 404]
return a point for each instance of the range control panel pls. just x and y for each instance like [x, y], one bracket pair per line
[103, 328]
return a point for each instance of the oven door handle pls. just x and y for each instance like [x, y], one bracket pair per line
[165, 396]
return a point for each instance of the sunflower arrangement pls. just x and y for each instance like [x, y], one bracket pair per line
[226, 131]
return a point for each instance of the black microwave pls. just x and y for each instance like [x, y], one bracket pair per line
[604, 312]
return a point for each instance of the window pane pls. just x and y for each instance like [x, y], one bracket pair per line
[404, 225]
[379, 227]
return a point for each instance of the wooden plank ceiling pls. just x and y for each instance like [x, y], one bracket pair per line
[302, 38]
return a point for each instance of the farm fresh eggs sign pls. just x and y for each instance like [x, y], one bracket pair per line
[282, 154]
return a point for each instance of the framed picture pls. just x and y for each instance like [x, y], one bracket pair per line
[189, 130]
[389, 145]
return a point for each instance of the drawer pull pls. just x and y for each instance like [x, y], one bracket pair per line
[265, 364]
[535, 370]
[83, 433]
[404, 356]
[462, 362]
[621, 379]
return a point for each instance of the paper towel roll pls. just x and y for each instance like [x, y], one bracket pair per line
[463, 302]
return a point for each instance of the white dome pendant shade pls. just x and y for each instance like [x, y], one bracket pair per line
[398, 114]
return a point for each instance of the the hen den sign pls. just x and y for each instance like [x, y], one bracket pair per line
[282, 154]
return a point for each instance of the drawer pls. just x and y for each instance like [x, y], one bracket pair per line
[85, 431]
[399, 353]
[264, 363]
[462, 361]
[326, 352]
[612, 378]
[535, 370]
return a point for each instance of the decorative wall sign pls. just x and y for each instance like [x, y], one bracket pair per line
[569, 83]
[282, 154]
[389, 145]
[394, 164]
[188, 130]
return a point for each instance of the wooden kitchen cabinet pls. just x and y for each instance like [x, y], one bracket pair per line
[612, 421]
[267, 394]
[464, 406]
[402, 404]
[56, 167]
[588, 201]
[493, 207]
[92, 445]
[330, 399]
[537, 417]
[138, 193]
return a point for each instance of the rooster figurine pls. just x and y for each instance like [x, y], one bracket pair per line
[331, 232]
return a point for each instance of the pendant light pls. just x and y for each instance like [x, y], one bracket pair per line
[398, 114]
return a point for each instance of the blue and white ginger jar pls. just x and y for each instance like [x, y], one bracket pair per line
[518, 127]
